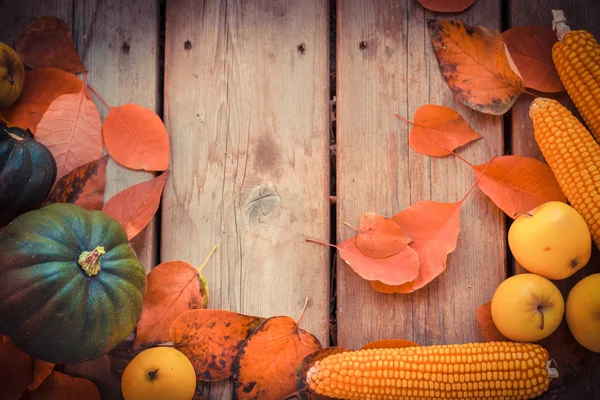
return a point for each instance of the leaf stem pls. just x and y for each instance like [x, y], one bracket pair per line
[457, 156]
[303, 311]
[351, 226]
[477, 180]
[98, 95]
[207, 258]
[404, 119]
[320, 242]
[529, 93]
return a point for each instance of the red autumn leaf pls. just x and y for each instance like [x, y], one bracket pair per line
[265, 366]
[71, 129]
[135, 206]
[486, 324]
[390, 344]
[64, 387]
[531, 49]
[211, 339]
[15, 370]
[380, 237]
[135, 137]
[476, 66]
[518, 184]
[302, 390]
[437, 130]
[395, 270]
[47, 43]
[448, 6]
[173, 287]
[83, 186]
[42, 87]
[41, 370]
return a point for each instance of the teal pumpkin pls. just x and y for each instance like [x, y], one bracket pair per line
[71, 286]
[27, 173]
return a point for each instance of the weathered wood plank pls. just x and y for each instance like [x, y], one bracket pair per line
[246, 104]
[580, 14]
[16, 15]
[397, 72]
[118, 43]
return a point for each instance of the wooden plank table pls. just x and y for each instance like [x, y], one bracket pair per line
[244, 90]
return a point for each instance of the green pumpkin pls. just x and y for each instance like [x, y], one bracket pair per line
[71, 286]
[27, 173]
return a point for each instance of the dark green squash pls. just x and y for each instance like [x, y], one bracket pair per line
[27, 173]
[55, 304]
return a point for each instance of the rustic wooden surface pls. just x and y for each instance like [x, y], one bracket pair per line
[377, 171]
[580, 14]
[246, 104]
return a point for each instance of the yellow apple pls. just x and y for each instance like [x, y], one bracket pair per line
[159, 373]
[12, 75]
[552, 240]
[583, 312]
[527, 307]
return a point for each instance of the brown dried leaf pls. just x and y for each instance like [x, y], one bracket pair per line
[265, 367]
[64, 387]
[211, 339]
[83, 186]
[448, 6]
[173, 288]
[47, 43]
[317, 355]
[15, 370]
[41, 370]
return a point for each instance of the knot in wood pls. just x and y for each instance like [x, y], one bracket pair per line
[263, 203]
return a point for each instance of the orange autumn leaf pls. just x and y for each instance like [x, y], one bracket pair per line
[173, 288]
[390, 344]
[41, 88]
[518, 184]
[380, 237]
[302, 389]
[438, 129]
[265, 367]
[395, 270]
[83, 186]
[434, 226]
[64, 387]
[47, 43]
[15, 370]
[135, 206]
[71, 129]
[135, 137]
[476, 66]
[448, 6]
[531, 49]
[41, 370]
[486, 324]
[211, 339]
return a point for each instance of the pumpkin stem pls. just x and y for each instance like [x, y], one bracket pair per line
[90, 260]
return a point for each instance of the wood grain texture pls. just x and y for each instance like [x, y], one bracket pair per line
[248, 115]
[395, 71]
[580, 14]
[118, 43]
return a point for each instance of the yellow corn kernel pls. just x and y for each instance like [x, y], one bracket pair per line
[581, 184]
[499, 380]
[576, 57]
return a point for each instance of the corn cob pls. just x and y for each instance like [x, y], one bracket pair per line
[574, 157]
[576, 57]
[493, 370]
